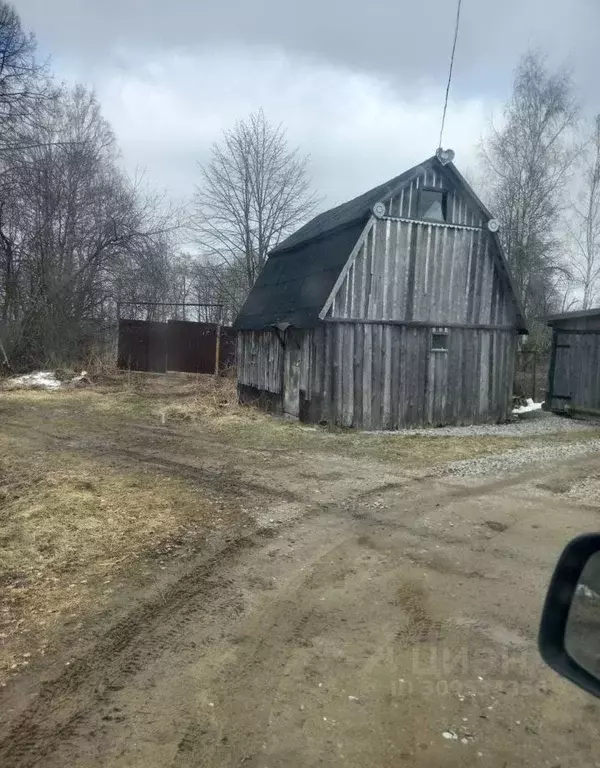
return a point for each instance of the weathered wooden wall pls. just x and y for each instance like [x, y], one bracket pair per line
[259, 360]
[276, 362]
[574, 375]
[383, 376]
[460, 208]
[425, 272]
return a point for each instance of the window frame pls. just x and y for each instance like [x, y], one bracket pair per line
[435, 332]
[444, 202]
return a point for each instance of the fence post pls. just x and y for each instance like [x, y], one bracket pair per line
[218, 343]
[118, 333]
[550, 390]
[533, 387]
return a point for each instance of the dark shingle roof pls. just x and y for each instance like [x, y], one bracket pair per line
[346, 213]
[294, 285]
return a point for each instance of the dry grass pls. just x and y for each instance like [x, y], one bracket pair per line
[413, 451]
[209, 400]
[71, 521]
[70, 524]
[205, 405]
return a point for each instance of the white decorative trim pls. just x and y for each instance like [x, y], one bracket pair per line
[432, 223]
[346, 268]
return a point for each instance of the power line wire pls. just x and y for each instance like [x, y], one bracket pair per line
[450, 73]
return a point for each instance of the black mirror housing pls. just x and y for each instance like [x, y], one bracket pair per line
[555, 614]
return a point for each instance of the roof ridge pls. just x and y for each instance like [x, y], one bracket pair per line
[350, 211]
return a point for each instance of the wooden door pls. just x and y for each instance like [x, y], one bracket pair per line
[562, 384]
[291, 377]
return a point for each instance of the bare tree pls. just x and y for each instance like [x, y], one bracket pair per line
[20, 73]
[76, 235]
[528, 162]
[584, 223]
[194, 280]
[253, 192]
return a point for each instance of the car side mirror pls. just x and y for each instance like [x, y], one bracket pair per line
[569, 639]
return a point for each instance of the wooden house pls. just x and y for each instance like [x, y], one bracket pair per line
[574, 371]
[393, 310]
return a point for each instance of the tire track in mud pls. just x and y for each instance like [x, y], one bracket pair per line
[226, 484]
[113, 659]
[272, 635]
[269, 641]
[124, 650]
[222, 478]
[154, 627]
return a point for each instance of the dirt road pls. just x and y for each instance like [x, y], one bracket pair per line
[373, 617]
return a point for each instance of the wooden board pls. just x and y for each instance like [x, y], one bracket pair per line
[291, 379]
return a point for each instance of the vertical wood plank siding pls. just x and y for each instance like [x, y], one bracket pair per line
[459, 209]
[577, 365]
[414, 271]
[260, 360]
[387, 377]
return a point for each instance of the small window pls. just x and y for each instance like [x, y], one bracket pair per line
[439, 342]
[432, 205]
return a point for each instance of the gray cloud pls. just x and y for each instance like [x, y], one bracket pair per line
[356, 127]
[406, 41]
[359, 86]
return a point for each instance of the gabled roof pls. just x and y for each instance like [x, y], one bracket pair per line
[300, 273]
[576, 315]
[354, 210]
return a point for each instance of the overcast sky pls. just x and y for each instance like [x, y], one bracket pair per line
[359, 86]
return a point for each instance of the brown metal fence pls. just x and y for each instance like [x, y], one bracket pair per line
[175, 346]
[142, 346]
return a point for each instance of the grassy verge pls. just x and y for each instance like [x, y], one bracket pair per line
[199, 405]
[70, 524]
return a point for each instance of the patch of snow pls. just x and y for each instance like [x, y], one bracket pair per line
[529, 407]
[585, 591]
[47, 380]
[38, 380]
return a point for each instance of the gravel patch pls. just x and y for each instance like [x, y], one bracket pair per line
[537, 423]
[518, 459]
[585, 491]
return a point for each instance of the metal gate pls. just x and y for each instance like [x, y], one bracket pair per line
[142, 346]
[178, 345]
[191, 347]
